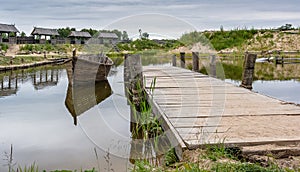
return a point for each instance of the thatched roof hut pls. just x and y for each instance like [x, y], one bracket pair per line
[44, 31]
[6, 28]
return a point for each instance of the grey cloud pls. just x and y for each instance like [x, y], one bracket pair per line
[205, 14]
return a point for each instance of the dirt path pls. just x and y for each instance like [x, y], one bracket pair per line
[12, 50]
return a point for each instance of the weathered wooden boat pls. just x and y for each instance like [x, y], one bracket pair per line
[84, 96]
[91, 68]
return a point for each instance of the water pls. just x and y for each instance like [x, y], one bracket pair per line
[36, 118]
[285, 90]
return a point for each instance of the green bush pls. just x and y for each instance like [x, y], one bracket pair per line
[220, 39]
[4, 47]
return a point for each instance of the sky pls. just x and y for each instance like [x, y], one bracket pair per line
[197, 14]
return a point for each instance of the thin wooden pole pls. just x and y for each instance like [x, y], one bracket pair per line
[174, 60]
[213, 70]
[195, 61]
[249, 65]
[182, 59]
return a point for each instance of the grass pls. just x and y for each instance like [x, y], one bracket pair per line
[4, 47]
[20, 60]
[219, 39]
[63, 48]
[147, 44]
[214, 158]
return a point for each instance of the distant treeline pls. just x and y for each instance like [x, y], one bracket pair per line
[65, 32]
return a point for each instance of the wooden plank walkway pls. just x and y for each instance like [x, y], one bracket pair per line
[197, 109]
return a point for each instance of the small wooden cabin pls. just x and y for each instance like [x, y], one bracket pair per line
[8, 33]
[78, 37]
[44, 35]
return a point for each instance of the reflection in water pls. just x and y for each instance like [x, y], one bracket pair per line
[45, 78]
[9, 85]
[41, 77]
[82, 97]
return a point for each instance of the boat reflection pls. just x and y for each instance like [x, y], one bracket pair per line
[83, 96]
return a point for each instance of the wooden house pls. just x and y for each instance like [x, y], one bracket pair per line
[78, 37]
[8, 33]
[43, 35]
[108, 38]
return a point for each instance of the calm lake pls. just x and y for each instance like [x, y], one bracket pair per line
[37, 118]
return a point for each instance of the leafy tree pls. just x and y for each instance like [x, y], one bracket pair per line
[65, 32]
[118, 33]
[145, 35]
[125, 36]
[23, 34]
[91, 31]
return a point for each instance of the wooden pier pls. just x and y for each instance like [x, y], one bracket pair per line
[197, 109]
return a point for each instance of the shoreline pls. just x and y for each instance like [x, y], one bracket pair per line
[34, 64]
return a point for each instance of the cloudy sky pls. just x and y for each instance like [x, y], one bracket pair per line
[99, 14]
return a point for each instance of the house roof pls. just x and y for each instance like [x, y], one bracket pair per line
[107, 35]
[44, 31]
[8, 28]
[80, 34]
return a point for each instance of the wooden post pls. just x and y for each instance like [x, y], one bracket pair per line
[249, 65]
[126, 76]
[135, 77]
[74, 52]
[16, 81]
[174, 60]
[2, 84]
[9, 81]
[213, 70]
[74, 59]
[195, 61]
[135, 87]
[182, 59]
[45, 55]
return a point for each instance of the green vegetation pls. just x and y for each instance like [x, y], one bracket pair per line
[62, 48]
[3, 47]
[212, 158]
[91, 31]
[229, 39]
[146, 44]
[20, 60]
[219, 39]
[65, 32]
[194, 37]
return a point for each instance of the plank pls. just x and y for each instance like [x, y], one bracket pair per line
[199, 109]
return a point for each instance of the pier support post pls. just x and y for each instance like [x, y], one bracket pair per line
[195, 61]
[126, 76]
[249, 65]
[74, 59]
[212, 66]
[135, 77]
[182, 59]
[174, 60]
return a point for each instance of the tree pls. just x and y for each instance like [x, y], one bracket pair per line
[65, 32]
[118, 33]
[145, 35]
[91, 31]
[125, 35]
[221, 28]
[23, 34]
